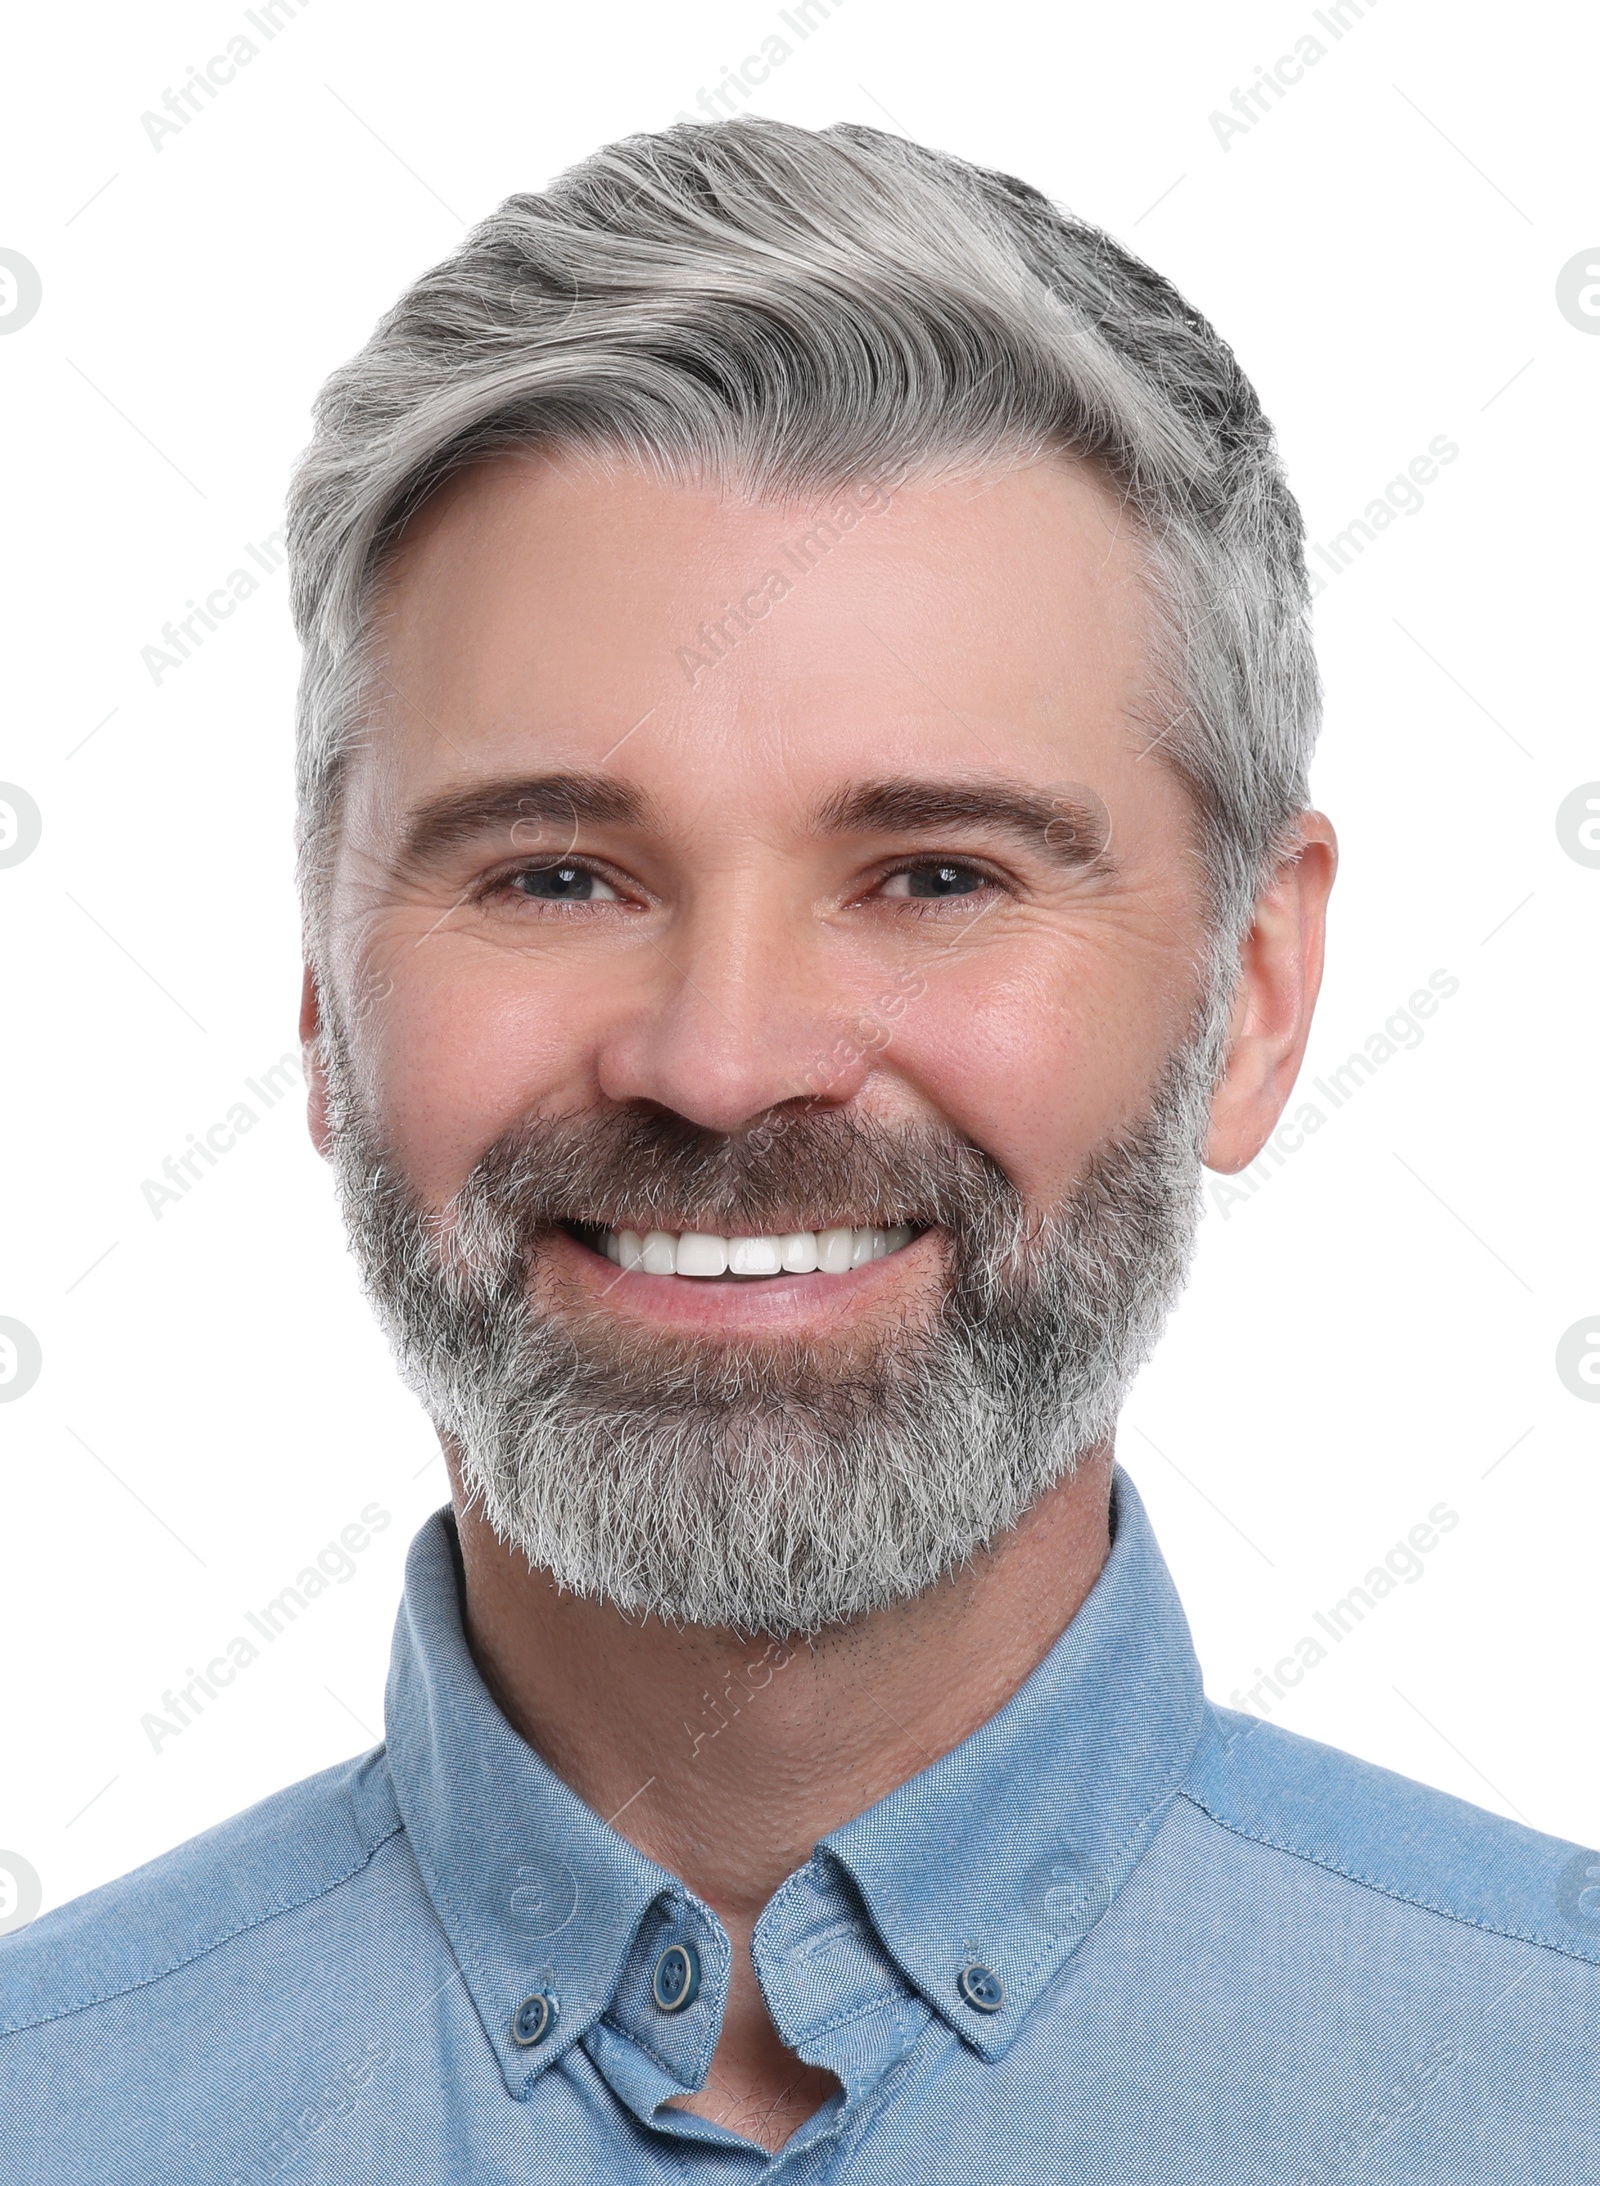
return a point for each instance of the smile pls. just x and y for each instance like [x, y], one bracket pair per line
[707, 1257]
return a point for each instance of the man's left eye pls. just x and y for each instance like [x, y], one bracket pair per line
[563, 884]
[935, 880]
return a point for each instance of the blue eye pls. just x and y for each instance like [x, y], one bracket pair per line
[936, 880]
[564, 883]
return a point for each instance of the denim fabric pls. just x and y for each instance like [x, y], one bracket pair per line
[1230, 1957]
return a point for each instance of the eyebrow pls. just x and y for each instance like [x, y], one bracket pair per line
[1071, 829]
[447, 823]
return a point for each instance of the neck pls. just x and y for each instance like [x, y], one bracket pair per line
[725, 1759]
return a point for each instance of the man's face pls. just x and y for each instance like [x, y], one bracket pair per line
[733, 952]
[745, 863]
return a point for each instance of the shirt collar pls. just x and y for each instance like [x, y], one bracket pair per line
[1003, 1854]
[535, 1891]
[1007, 1851]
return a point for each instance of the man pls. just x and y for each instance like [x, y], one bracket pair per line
[806, 852]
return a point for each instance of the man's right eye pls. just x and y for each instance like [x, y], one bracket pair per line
[563, 883]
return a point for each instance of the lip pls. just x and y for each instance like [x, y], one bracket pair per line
[775, 1304]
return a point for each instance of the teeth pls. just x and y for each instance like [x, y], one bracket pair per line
[752, 1256]
[701, 1255]
[834, 1251]
[800, 1252]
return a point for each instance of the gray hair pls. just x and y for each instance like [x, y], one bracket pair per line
[785, 309]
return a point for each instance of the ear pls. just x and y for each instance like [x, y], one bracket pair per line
[1280, 973]
[311, 1055]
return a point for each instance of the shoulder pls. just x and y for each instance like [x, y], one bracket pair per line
[287, 1852]
[1400, 1841]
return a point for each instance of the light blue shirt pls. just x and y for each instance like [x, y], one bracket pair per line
[1214, 1953]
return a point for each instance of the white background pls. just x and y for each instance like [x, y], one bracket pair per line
[1371, 1333]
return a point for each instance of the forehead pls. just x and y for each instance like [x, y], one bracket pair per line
[546, 609]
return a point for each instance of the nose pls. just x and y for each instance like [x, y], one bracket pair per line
[738, 1017]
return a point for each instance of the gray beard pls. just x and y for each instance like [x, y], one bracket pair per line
[773, 1486]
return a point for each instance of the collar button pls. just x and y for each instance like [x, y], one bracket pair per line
[675, 1982]
[981, 1987]
[533, 2018]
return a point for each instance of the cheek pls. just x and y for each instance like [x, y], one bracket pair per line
[457, 1062]
[1037, 1067]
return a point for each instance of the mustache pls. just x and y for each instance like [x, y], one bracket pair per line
[643, 1168]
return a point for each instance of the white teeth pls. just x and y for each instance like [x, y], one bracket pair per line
[754, 1256]
[800, 1252]
[833, 1251]
[701, 1255]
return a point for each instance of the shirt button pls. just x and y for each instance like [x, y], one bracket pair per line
[676, 1980]
[981, 1987]
[533, 2018]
